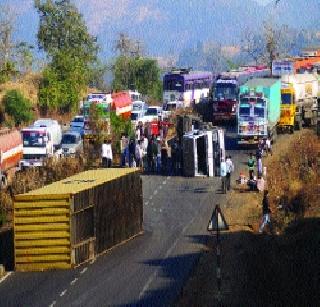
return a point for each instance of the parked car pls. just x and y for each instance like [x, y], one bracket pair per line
[77, 124]
[71, 143]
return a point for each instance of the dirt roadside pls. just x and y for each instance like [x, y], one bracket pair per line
[260, 269]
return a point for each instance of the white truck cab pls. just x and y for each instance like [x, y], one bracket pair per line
[40, 141]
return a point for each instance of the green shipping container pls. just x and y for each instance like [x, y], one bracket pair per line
[271, 89]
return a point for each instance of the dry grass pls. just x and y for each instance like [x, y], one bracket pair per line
[28, 86]
[34, 178]
[293, 176]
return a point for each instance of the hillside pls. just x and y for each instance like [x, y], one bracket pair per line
[28, 85]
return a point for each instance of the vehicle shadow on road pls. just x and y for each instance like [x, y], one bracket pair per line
[174, 272]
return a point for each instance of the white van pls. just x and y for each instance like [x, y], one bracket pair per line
[153, 113]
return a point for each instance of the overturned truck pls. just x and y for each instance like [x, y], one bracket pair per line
[203, 151]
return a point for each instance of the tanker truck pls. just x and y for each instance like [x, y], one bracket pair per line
[10, 154]
[259, 110]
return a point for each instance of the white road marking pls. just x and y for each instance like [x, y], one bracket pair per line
[63, 292]
[146, 203]
[150, 197]
[84, 270]
[74, 281]
[5, 277]
[155, 192]
[168, 177]
[169, 251]
[164, 182]
[160, 187]
[52, 304]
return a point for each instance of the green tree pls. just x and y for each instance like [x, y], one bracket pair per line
[24, 57]
[18, 107]
[63, 34]
[138, 73]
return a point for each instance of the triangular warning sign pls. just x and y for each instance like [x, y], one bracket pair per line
[217, 220]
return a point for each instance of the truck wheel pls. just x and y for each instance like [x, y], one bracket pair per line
[291, 129]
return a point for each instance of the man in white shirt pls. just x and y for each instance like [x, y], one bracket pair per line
[230, 169]
[223, 174]
[106, 154]
[268, 145]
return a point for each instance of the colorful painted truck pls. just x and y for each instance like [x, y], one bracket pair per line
[259, 110]
[11, 152]
[299, 101]
[120, 103]
[225, 91]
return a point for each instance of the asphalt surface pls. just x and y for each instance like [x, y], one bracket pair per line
[149, 270]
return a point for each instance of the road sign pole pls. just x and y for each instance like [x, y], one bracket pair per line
[217, 223]
[218, 252]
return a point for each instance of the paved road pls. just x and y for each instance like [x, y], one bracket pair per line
[149, 270]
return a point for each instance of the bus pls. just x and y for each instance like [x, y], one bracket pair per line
[186, 86]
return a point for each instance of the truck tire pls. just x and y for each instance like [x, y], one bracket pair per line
[291, 129]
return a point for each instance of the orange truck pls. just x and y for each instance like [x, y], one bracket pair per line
[11, 152]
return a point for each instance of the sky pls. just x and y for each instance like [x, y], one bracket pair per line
[161, 23]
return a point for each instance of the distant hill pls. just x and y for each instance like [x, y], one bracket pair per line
[168, 26]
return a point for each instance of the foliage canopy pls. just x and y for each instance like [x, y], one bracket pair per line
[64, 35]
[18, 107]
[138, 73]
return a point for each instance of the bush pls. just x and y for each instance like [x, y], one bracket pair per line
[18, 107]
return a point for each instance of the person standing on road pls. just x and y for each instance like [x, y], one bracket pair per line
[223, 174]
[230, 169]
[259, 166]
[132, 152]
[268, 146]
[251, 163]
[106, 154]
[266, 213]
[139, 154]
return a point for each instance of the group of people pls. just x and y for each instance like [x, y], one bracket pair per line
[148, 151]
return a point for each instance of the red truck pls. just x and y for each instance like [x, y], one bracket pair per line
[11, 152]
[225, 91]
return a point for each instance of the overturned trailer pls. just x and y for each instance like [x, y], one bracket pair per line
[71, 221]
[203, 151]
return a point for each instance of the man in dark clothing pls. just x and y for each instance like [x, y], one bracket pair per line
[132, 152]
[152, 152]
[266, 213]
[174, 157]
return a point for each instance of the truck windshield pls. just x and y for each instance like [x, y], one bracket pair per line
[259, 111]
[170, 107]
[134, 116]
[244, 111]
[286, 98]
[34, 139]
[225, 91]
[68, 139]
[152, 111]
[136, 107]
